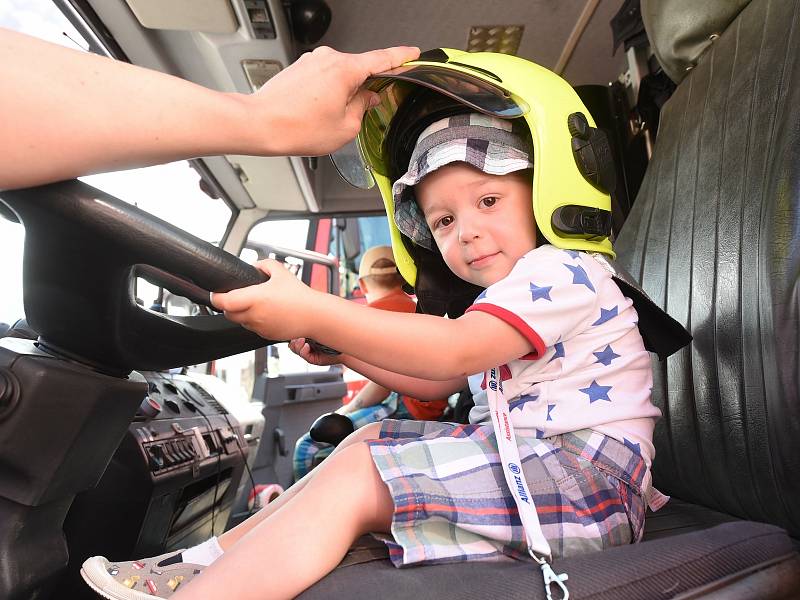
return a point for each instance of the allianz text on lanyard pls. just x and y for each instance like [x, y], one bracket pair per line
[538, 547]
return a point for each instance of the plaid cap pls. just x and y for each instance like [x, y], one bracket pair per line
[493, 145]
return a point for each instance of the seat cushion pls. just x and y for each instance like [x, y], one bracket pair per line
[661, 568]
[678, 517]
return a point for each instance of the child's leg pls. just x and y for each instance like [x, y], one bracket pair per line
[306, 537]
[229, 538]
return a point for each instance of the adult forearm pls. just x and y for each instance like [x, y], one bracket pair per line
[70, 113]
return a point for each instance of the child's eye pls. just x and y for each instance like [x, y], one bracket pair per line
[489, 201]
[443, 222]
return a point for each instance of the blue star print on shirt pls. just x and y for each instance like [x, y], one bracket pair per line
[606, 315]
[632, 446]
[606, 356]
[559, 353]
[550, 408]
[579, 276]
[597, 392]
[481, 296]
[572, 253]
[519, 402]
[540, 292]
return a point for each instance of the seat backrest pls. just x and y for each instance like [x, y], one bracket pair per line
[714, 237]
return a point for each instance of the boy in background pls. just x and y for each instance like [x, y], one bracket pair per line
[382, 285]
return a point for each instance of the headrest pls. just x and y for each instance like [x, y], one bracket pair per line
[680, 31]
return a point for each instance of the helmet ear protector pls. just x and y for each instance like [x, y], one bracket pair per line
[594, 160]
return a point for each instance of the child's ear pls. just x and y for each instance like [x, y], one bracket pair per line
[362, 284]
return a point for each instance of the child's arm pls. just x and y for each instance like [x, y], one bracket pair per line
[416, 387]
[369, 395]
[420, 346]
[421, 389]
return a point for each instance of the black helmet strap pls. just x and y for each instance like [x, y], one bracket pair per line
[439, 291]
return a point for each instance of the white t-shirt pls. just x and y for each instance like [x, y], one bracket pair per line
[589, 368]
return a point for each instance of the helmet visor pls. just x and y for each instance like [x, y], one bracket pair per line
[356, 160]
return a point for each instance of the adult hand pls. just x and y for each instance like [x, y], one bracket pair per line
[301, 347]
[315, 106]
[278, 309]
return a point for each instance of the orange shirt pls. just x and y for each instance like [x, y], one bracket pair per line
[419, 409]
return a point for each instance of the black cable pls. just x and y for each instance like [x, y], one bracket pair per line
[244, 458]
[187, 398]
[219, 458]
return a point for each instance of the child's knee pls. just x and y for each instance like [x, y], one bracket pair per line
[367, 490]
[362, 434]
[371, 431]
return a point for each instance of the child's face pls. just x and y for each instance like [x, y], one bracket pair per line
[483, 224]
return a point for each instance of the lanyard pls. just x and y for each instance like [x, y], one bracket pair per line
[538, 547]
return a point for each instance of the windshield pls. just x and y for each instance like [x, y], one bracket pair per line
[171, 192]
[351, 237]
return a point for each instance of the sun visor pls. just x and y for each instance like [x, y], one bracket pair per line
[210, 16]
[352, 162]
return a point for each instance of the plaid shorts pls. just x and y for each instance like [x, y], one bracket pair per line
[307, 451]
[452, 503]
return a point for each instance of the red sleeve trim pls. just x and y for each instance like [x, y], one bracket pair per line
[517, 323]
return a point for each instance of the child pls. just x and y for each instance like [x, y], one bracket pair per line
[551, 333]
[382, 285]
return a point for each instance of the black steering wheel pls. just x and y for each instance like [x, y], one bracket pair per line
[83, 251]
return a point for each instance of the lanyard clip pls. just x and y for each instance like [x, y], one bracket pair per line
[551, 577]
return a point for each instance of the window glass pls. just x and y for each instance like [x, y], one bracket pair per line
[291, 234]
[350, 238]
[170, 192]
[267, 238]
[238, 371]
[42, 19]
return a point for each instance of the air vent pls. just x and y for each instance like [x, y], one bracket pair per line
[208, 398]
[504, 39]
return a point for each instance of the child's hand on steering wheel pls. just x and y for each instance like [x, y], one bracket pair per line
[304, 350]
